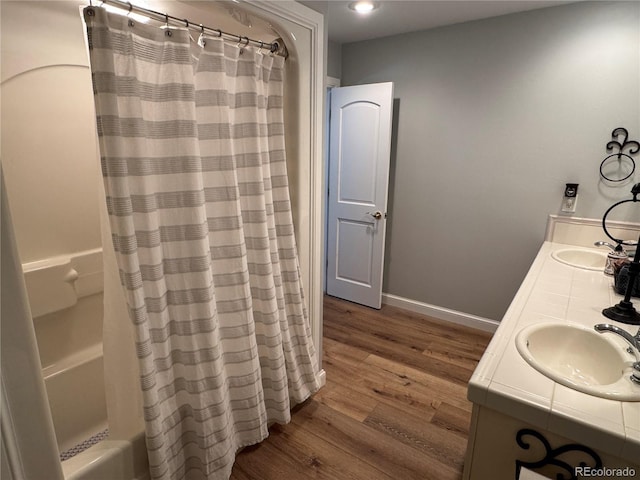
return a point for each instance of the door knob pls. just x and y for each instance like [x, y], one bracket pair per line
[376, 215]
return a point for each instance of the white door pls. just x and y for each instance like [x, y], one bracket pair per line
[359, 152]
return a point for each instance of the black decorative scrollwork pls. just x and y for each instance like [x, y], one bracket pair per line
[635, 146]
[551, 455]
[632, 146]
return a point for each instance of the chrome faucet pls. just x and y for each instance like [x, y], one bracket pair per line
[607, 244]
[634, 340]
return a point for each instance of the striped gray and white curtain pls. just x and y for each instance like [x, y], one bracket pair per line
[193, 158]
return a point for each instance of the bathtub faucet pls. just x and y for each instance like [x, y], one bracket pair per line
[634, 340]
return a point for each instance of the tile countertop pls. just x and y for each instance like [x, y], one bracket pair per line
[505, 382]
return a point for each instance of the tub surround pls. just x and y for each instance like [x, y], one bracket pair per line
[56, 283]
[66, 300]
[515, 395]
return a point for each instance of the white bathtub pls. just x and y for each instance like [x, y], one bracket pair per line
[110, 460]
[75, 388]
[80, 414]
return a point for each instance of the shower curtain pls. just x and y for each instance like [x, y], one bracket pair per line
[193, 158]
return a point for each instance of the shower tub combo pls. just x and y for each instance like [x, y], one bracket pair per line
[66, 292]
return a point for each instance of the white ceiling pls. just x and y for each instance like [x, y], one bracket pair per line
[401, 16]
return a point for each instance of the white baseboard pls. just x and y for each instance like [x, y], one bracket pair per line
[441, 313]
[322, 378]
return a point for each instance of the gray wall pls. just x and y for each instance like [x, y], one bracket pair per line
[493, 118]
[334, 59]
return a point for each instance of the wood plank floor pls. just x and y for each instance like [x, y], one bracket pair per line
[394, 406]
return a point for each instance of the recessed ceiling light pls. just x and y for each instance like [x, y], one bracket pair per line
[363, 6]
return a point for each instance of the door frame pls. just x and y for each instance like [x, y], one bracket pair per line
[330, 84]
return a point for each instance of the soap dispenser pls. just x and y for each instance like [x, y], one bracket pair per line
[616, 257]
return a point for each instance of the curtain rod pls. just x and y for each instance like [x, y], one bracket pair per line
[273, 47]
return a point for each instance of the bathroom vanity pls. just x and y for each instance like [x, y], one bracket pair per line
[524, 419]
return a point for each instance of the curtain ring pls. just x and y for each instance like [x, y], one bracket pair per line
[201, 29]
[247, 40]
[168, 31]
[186, 23]
[219, 33]
[130, 8]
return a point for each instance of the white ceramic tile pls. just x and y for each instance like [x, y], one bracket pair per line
[550, 309]
[616, 297]
[633, 435]
[585, 314]
[524, 406]
[481, 378]
[605, 409]
[553, 284]
[594, 421]
[551, 265]
[631, 414]
[477, 389]
[556, 270]
[497, 344]
[548, 297]
[631, 449]
[515, 372]
[597, 279]
[531, 318]
[590, 293]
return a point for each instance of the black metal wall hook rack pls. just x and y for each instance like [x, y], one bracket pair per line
[621, 145]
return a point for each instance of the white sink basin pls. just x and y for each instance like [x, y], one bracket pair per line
[580, 358]
[581, 258]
